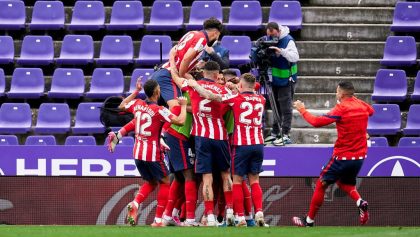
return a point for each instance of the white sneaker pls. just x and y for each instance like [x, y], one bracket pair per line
[259, 218]
[270, 139]
[282, 141]
[230, 218]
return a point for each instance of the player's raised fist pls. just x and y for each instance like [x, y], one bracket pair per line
[112, 141]
[298, 105]
[138, 83]
[182, 100]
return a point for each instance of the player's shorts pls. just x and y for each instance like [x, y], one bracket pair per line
[152, 170]
[168, 88]
[345, 171]
[247, 159]
[180, 155]
[211, 155]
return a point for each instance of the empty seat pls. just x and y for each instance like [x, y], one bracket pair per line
[2, 82]
[202, 10]
[145, 73]
[15, 118]
[88, 15]
[44, 140]
[87, 119]
[386, 120]
[239, 48]
[390, 86]
[413, 121]
[8, 140]
[150, 49]
[409, 142]
[7, 49]
[116, 50]
[67, 83]
[166, 16]
[400, 51]
[125, 141]
[106, 82]
[27, 83]
[287, 13]
[416, 93]
[53, 118]
[36, 50]
[76, 50]
[406, 17]
[12, 15]
[245, 16]
[47, 15]
[126, 15]
[80, 141]
[378, 142]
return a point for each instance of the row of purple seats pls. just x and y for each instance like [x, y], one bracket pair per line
[49, 140]
[406, 17]
[128, 15]
[403, 142]
[16, 118]
[391, 86]
[387, 120]
[400, 51]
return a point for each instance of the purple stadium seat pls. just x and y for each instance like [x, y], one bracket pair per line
[239, 48]
[2, 82]
[27, 83]
[413, 121]
[409, 142]
[166, 16]
[145, 73]
[45, 140]
[106, 82]
[378, 142]
[80, 141]
[386, 120]
[400, 51]
[202, 10]
[53, 118]
[150, 49]
[8, 140]
[67, 83]
[125, 141]
[416, 93]
[238, 72]
[76, 50]
[47, 15]
[126, 15]
[87, 119]
[15, 118]
[406, 17]
[7, 50]
[88, 15]
[36, 50]
[12, 15]
[116, 50]
[390, 86]
[245, 16]
[287, 13]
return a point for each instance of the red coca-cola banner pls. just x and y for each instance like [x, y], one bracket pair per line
[90, 201]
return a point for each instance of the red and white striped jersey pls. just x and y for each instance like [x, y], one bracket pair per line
[193, 39]
[248, 109]
[149, 119]
[207, 114]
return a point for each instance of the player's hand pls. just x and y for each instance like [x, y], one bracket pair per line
[139, 86]
[112, 141]
[192, 83]
[208, 49]
[182, 100]
[231, 86]
[163, 146]
[299, 105]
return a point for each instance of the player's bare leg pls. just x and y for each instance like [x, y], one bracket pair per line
[227, 189]
[256, 193]
[238, 197]
[208, 199]
[133, 206]
[162, 199]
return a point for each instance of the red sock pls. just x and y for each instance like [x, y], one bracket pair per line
[144, 191]
[180, 202]
[162, 199]
[257, 194]
[247, 198]
[208, 207]
[228, 199]
[191, 199]
[183, 211]
[238, 199]
[317, 199]
[173, 196]
[350, 190]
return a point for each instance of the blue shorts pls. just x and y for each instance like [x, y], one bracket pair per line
[211, 155]
[152, 170]
[180, 155]
[345, 171]
[247, 159]
[168, 88]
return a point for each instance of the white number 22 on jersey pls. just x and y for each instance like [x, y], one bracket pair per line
[141, 126]
[249, 108]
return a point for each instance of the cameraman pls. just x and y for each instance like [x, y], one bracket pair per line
[284, 76]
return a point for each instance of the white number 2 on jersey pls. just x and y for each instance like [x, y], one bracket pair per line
[140, 127]
[202, 106]
[249, 108]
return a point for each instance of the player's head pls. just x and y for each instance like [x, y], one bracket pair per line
[220, 79]
[247, 82]
[272, 29]
[152, 89]
[211, 70]
[213, 27]
[345, 89]
[230, 76]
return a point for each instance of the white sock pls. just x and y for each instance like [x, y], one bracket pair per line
[175, 212]
[210, 218]
[309, 220]
[190, 220]
[358, 202]
[158, 220]
[168, 218]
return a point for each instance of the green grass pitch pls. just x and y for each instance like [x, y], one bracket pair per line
[139, 231]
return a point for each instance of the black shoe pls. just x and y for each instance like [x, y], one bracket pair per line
[301, 222]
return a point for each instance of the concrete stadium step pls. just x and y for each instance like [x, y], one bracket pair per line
[340, 49]
[297, 120]
[365, 15]
[352, 3]
[325, 100]
[323, 84]
[338, 67]
[341, 32]
[313, 135]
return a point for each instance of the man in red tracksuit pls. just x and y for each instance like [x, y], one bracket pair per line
[351, 118]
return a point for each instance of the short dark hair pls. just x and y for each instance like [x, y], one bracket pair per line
[248, 78]
[213, 23]
[211, 66]
[229, 72]
[272, 26]
[347, 86]
[150, 87]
